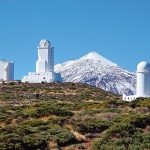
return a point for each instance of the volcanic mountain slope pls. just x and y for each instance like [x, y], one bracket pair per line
[98, 71]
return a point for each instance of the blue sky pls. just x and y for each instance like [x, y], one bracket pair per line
[117, 29]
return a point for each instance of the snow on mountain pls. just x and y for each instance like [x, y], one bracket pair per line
[95, 56]
[98, 71]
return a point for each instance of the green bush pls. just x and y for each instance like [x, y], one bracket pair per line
[145, 102]
[33, 135]
[35, 141]
[46, 111]
[58, 120]
[121, 130]
[91, 125]
[140, 121]
[65, 138]
[34, 123]
[137, 141]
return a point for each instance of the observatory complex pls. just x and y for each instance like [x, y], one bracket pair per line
[6, 70]
[143, 82]
[44, 65]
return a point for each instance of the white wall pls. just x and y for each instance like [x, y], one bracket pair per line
[45, 62]
[129, 98]
[6, 70]
[143, 83]
[35, 77]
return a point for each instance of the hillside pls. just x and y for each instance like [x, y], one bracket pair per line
[98, 71]
[70, 116]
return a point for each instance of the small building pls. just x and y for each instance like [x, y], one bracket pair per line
[143, 82]
[6, 70]
[44, 65]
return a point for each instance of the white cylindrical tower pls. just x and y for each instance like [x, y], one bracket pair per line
[143, 79]
[6, 70]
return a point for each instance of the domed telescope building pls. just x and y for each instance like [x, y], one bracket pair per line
[143, 82]
[44, 65]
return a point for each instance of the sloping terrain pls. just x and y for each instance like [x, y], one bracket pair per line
[70, 116]
[98, 71]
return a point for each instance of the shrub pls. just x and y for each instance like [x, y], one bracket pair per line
[35, 141]
[58, 120]
[91, 126]
[137, 141]
[140, 121]
[121, 130]
[39, 112]
[34, 123]
[65, 138]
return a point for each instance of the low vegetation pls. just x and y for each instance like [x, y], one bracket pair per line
[70, 116]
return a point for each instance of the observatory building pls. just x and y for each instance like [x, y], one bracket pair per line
[143, 82]
[44, 65]
[6, 70]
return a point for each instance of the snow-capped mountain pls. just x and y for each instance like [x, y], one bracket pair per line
[96, 70]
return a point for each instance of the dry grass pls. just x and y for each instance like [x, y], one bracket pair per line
[2, 125]
[52, 145]
[78, 136]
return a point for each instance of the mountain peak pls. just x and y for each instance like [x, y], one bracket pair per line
[98, 71]
[92, 55]
[95, 56]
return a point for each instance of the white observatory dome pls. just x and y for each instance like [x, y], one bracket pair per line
[44, 43]
[143, 67]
